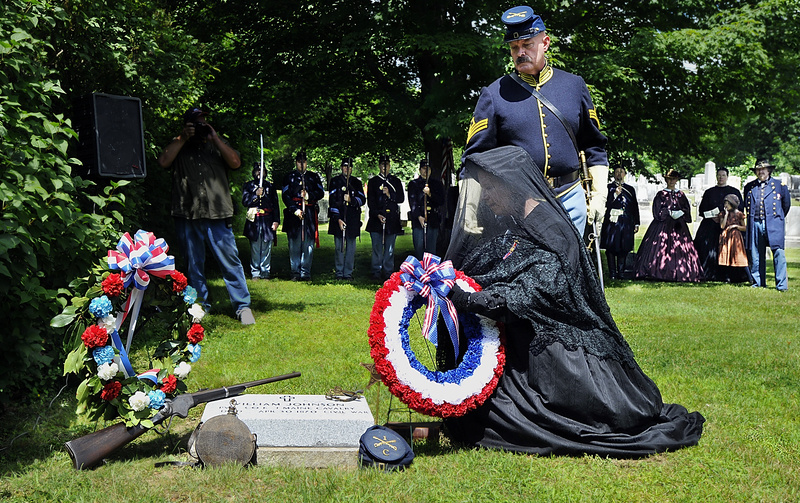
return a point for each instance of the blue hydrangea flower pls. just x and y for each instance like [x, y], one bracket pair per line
[189, 295]
[103, 355]
[100, 307]
[195, 350]
[156, 398]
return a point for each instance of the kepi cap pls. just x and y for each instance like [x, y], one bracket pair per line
[301, 156]
[383, 158]
[347, 161]
[521, 23]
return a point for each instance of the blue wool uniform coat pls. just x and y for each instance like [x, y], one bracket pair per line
[340, 210]
[617, 237]
[507, 114]
[293, 185]
[417, 202]
[381, 204]
[777, 203]
[261, 227]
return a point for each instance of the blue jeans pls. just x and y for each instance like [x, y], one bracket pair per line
[301, 254]
[260, 258]
[194, 235]
[344, 259]
[382, 254]
[423, 243]
[758, 258]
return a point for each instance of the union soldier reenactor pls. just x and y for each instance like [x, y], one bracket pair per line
[426, 197]
[346, 197]
[553, 132]
[301, 191]
[767, 201]
[384, 195]
[261, 200]
[620, 223]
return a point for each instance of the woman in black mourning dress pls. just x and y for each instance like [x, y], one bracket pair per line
[570, 385]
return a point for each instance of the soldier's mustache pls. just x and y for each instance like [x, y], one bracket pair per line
[524, 59]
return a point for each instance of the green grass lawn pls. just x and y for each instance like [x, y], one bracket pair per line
[729, 351]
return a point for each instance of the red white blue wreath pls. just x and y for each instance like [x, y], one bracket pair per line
[95, 319]
[448, 393]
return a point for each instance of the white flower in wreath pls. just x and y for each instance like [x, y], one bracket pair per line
[182, 370]
[197, 313]
[139, 401]
[107, 371]
[109, 323]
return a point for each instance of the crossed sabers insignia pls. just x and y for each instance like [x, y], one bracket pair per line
[385, 441]
[517, 14]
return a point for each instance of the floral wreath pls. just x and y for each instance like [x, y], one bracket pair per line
[111, 388]
[449, 393]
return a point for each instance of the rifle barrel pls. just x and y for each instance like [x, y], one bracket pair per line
[89, 450]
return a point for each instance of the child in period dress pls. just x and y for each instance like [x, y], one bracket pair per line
[731, 242]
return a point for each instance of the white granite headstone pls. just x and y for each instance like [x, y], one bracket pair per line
[299, 420]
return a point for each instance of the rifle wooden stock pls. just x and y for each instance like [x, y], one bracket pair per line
[89, 450]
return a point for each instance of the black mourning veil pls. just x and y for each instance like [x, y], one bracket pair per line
[499, 190]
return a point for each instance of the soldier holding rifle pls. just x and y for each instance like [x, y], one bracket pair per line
[426, 197]
[384, 195]
[346, 197]
[261, 200]
[301, 191]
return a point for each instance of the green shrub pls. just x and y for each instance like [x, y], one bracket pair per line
[51, 226]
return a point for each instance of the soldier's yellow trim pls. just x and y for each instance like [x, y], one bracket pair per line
[545, 75]
[593, 115]
[476, 127]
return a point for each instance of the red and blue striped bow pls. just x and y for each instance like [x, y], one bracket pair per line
[433, 280]
[136, 259]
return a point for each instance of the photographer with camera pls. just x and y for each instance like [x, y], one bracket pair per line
[203, 209]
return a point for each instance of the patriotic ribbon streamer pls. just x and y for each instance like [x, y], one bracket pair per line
[136, 258]
[151, 375]
[433, 280]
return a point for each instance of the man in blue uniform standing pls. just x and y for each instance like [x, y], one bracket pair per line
[425, 198]
[301, 191]
[508, 113]
[767, 202]
[384, 196]
[346, 197]
[620, 224]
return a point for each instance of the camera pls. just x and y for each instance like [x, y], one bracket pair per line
[201, 129]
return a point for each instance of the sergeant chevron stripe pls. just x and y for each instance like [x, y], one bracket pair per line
[476, 127]
[593, 115]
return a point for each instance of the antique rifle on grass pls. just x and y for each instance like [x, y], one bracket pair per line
[89, 450]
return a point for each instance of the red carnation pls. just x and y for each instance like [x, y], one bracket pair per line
[196, 333]
[95, 337]
[179, 282]
[169, 383]
[112, 285]
[111, 390]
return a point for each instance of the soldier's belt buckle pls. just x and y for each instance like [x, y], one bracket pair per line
[550, 182]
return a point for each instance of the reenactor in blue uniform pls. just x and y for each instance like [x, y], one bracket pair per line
[425, 197]
[767, 202]
[301, 191]
[508, 114]
[346, 197]
[620, 223]
[263, 217]
[384, 196]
